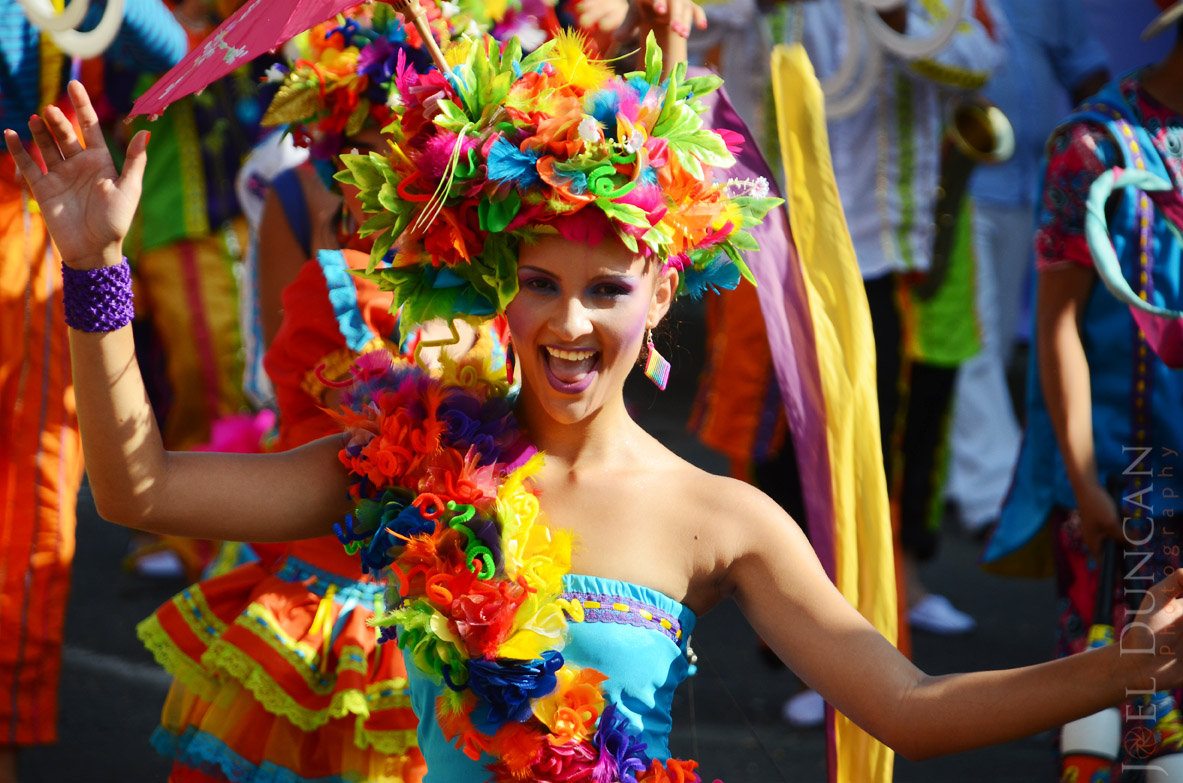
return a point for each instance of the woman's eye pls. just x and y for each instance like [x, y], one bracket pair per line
[610, 290]
[538, 284]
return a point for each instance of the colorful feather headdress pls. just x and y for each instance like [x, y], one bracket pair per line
[527, 20]
[345, 81]
[508, 147]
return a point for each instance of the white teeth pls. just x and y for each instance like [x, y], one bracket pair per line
[571, 356]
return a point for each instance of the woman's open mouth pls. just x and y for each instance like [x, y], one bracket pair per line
[570, 370]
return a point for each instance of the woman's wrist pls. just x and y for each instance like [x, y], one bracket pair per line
[1139, 663]
[108, 256]
[98, 299]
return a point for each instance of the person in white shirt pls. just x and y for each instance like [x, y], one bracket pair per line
[887, 162]
[1053, 62]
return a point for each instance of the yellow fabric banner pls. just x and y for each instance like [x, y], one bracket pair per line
[864, 568]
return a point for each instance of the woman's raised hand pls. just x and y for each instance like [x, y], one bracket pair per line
[681, 16]
[87, 205]
[1152, 642]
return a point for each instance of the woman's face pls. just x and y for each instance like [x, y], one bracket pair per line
[578, 322]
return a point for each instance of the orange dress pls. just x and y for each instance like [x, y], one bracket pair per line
[40, 468]
[276, 673]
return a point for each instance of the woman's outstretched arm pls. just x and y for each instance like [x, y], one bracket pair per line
[790, 602]
[88, 208]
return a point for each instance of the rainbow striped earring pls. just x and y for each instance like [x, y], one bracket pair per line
[657, 367]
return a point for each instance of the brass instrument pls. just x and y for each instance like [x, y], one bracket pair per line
[976, 132]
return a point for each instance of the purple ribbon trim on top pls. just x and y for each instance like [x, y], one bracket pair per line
[608, 614]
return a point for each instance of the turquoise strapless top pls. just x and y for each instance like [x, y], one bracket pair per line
[633, 634]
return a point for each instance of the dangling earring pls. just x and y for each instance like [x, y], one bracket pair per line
[657, 367]
[509, 361]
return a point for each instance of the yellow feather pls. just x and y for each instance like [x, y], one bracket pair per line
[571, 60]
[457, 53]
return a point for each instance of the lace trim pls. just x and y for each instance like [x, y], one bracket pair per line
[303, 657]
[197, 614]
[383, 696]
[238, 665]
[353, 658]
[598, 608]
[173, 660]
[223, 658]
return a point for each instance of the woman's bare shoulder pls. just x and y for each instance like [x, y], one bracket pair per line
[712, 523]
[707, 497]
[714, 492]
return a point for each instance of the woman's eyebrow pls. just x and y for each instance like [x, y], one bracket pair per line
[535, 269]
[623, 277]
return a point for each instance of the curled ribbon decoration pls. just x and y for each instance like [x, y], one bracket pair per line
[474, 551]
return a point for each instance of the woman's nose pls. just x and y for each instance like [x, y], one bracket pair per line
[571, 319]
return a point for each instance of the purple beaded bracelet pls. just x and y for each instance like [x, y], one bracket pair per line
[98, 300]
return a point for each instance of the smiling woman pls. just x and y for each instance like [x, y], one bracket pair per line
[579, 320]
[542, 601]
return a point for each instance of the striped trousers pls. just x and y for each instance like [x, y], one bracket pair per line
[40, 469]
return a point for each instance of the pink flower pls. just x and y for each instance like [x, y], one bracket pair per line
[733, 140]
[587, 226]
[565, 763]
[433, 160]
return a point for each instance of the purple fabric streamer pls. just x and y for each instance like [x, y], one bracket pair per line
[784, 303]
[98, 300]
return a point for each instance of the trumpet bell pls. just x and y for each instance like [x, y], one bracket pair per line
[980, 131]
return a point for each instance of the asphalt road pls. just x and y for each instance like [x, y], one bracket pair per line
[727, 716]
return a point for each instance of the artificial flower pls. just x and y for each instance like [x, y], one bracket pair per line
[571, 711]
[671, 771]
[621, 755]
[505, 687]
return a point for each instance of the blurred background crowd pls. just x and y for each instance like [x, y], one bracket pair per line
[939, 115]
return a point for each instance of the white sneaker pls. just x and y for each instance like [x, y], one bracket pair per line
[804, 710]
[936, 615]
[164, 564]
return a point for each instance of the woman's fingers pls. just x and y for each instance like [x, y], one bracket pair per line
[63, 131]
[44, 140]
[686, 15]
[603, 15]
[29, 168]
[132, 179]
[680, 15]
[629, 26]
[88, 119]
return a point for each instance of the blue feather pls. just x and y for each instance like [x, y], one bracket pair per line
[507, 163]
[604, 105]
[719, 274]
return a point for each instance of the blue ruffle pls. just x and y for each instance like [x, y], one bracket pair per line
[343, 298]
[209, 755]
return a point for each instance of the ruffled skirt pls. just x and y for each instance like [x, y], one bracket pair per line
[278, 679]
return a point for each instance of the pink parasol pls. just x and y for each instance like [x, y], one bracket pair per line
[258, 26]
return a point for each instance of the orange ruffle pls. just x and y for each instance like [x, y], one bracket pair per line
[278, 668]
